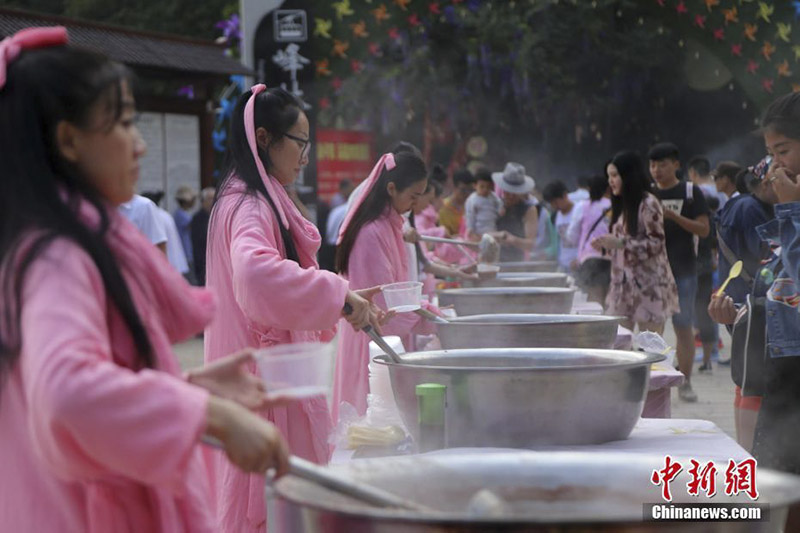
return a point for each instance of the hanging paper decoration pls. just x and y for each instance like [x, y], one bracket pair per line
[226, 106]
[322, 27]
[402, 4]
[765, 11]
[323, 67]
[767, 84]
[767, 50]
[413, 20]
[784, 30]
[324, 102]
[238, 80]
[700, 21]
[719, 34]
[681, 8]
[660, 3]
[473, 5]
[711, 3]
[230, 29]
[187, 91]
[752, 66]
[218, 138]
[336, 83]
[381, 14]
[796, 50]
[434, 8]
[783, 69]
[342, 9]
[731, 15]
[394, 34]
[796, 6]
[359, 29]
[736, 49]
[750, 31]
[356, 66]
[340, 48]
[374, 49]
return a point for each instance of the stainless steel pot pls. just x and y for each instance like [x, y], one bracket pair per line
[523, 397]
[521, 279]
[529, 266]
[543, 491]
[529, 331]
[489, 300]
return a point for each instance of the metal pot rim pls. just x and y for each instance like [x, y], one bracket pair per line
[507, 291]
[647, 359]
[556, 319]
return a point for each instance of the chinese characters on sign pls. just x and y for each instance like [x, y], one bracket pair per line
[342, 155]
[739, 478]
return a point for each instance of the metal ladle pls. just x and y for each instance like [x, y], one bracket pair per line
[376, 337]
[488, 248]
[326, 478]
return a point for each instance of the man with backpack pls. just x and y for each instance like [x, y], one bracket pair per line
[685, 217]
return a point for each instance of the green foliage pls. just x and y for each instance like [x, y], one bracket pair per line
[191, 18]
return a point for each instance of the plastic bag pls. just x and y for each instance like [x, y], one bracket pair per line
[651, 342]
[381, 426]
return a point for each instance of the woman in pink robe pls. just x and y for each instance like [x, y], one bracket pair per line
[372, 252]
[100, 432]
[261, 263]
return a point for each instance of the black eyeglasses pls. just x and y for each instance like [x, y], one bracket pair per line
[305, 144]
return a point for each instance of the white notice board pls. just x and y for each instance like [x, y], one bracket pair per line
[173, 154]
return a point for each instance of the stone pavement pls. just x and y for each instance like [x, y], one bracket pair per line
[715, 390]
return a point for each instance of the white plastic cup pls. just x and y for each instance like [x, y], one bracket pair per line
[403, 297]
[297, 371]
[487, 271]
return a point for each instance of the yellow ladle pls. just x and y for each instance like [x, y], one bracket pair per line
[733, 273]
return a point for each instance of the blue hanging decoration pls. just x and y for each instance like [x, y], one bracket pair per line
[450, 15]
[796, 6]
[473, 5]
[219, 137]
[238, 80]
[225, 111]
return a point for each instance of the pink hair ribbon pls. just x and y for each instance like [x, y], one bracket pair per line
[386, 160]
[29, 38]
[250, 129]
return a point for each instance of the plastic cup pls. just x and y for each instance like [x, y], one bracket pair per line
[403, 297]
[487, 271]
[300, 370]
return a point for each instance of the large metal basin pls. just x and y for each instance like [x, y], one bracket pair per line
[521, 279]
[546, 492]
[529, 331]
[519, 300]
[529, 266]
[523, 397]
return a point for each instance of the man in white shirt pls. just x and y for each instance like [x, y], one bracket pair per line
[556, 194]
[143, 213]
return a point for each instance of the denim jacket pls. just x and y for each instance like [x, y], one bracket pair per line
[783, 299]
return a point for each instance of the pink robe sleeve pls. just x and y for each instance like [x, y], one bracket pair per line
[89, 417]
[371, 265]
[275, 291]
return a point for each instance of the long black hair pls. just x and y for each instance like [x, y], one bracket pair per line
[635, 185]
[276, 110]
[783, 116]
[40, 192]
[409, 169]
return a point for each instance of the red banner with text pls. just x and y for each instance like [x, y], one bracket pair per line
[342, 154]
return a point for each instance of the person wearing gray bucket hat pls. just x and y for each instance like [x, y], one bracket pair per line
[513, 179]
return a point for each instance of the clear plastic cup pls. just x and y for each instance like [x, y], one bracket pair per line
[300, 370]
[487, 271]
[403, 297]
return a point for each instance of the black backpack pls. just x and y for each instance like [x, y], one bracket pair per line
[749, 332]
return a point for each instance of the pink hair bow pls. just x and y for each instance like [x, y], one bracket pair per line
[10, 47]
[250, 131]
[386, 160]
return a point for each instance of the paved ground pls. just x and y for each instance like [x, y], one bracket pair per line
[715, 390]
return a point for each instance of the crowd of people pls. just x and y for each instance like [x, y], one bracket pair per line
[102, 431]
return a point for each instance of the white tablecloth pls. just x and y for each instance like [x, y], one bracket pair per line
[696, 439]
